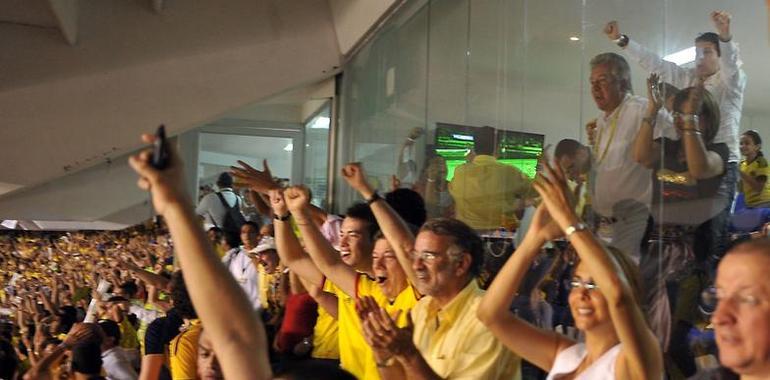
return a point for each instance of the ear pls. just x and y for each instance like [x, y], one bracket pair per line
[464, 264]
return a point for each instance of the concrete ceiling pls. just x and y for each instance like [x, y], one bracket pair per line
[86, 77]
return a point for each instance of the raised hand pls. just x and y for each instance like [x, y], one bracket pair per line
[354, 175]
[167, 185]
[552, 187]
[612, 30]
[297, 198]
[82, 333]
[259, 181]
[591, 131]
[654, 94]
[721, 20]
[543, 226]
[277, 202]
[381, 332]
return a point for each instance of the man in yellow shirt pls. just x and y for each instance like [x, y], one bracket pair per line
[353, 272]
[487, 193]
[447, 340]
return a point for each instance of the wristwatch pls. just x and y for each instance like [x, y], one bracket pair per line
[574, 228]
[282, 218]
[622, 41]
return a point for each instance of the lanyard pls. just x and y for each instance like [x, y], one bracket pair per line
[613, 128]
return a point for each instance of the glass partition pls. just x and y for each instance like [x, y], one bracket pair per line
[445, 83]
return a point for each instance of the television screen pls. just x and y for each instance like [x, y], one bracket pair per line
[518, 149]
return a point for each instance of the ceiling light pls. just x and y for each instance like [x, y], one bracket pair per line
[682, 57]
[289, 147]
[321, 122]
[574, 38]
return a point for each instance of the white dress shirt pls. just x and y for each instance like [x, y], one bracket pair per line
[245, 273]
[727, 86]
[616, 175]
[117, 366]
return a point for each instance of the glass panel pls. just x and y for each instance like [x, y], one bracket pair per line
[220, 151]
[317, 155]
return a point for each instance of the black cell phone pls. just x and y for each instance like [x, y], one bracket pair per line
[160, 154]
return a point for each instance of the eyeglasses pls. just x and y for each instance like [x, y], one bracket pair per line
[424, 256]
[711, 298]
[587, 285]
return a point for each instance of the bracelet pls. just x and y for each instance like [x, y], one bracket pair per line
[282, 218]
[386, 363]
[375, 197]
[650, 120]
[688, 117]
[692, 131]
[622, 41]
[574, 228]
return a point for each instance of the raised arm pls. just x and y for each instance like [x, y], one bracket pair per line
[288, 247]
[535, 345]
[650, 62]
[646, 150]
[729, 57]
[641, 355]
[237, 337]
[321, 251]
[149, 278]
[392, 226]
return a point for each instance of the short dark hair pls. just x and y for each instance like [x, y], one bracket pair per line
[129, 288]
[409, 205]
[361, 211]
[87, 359]
[465, 238]
[710, 37]
[315, 369]
[567, 147]
[484, 140]
[225, 180]
[181, 298]
[111, 329]
[251, 223]
[754, 136]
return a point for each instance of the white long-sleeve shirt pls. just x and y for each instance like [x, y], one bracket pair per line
[727, 86]
[239, 264]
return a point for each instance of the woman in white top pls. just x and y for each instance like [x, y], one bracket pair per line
[604, 301]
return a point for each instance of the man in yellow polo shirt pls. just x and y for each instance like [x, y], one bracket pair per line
[349, 274]
[448, 341]
[487, 193]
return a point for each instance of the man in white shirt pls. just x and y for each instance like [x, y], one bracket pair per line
[620, 188]
[718, 66]
[239, 263]
[115, 361]
[211, 207]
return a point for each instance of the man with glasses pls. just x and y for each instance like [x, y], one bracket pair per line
[447, 340]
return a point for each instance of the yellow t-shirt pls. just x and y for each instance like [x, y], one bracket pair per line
[456, 344]
[325, 335]
[183, 353]
[128, 338]
[485, 192]
[356, 356]
[757, 168]
[404, 302]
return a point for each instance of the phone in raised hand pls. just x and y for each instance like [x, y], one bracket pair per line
[160, 150]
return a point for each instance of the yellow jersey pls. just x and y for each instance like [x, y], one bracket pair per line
[757, 168]
[183, 352]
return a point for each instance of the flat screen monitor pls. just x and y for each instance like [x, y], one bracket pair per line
[518, 149]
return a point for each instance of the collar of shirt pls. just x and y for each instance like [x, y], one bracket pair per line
[455, 308]
[484, 159]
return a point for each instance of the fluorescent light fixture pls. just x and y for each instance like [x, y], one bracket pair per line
[289, 147]
[321, 122]
[574, 38]
[9, 223]
[682, 57]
